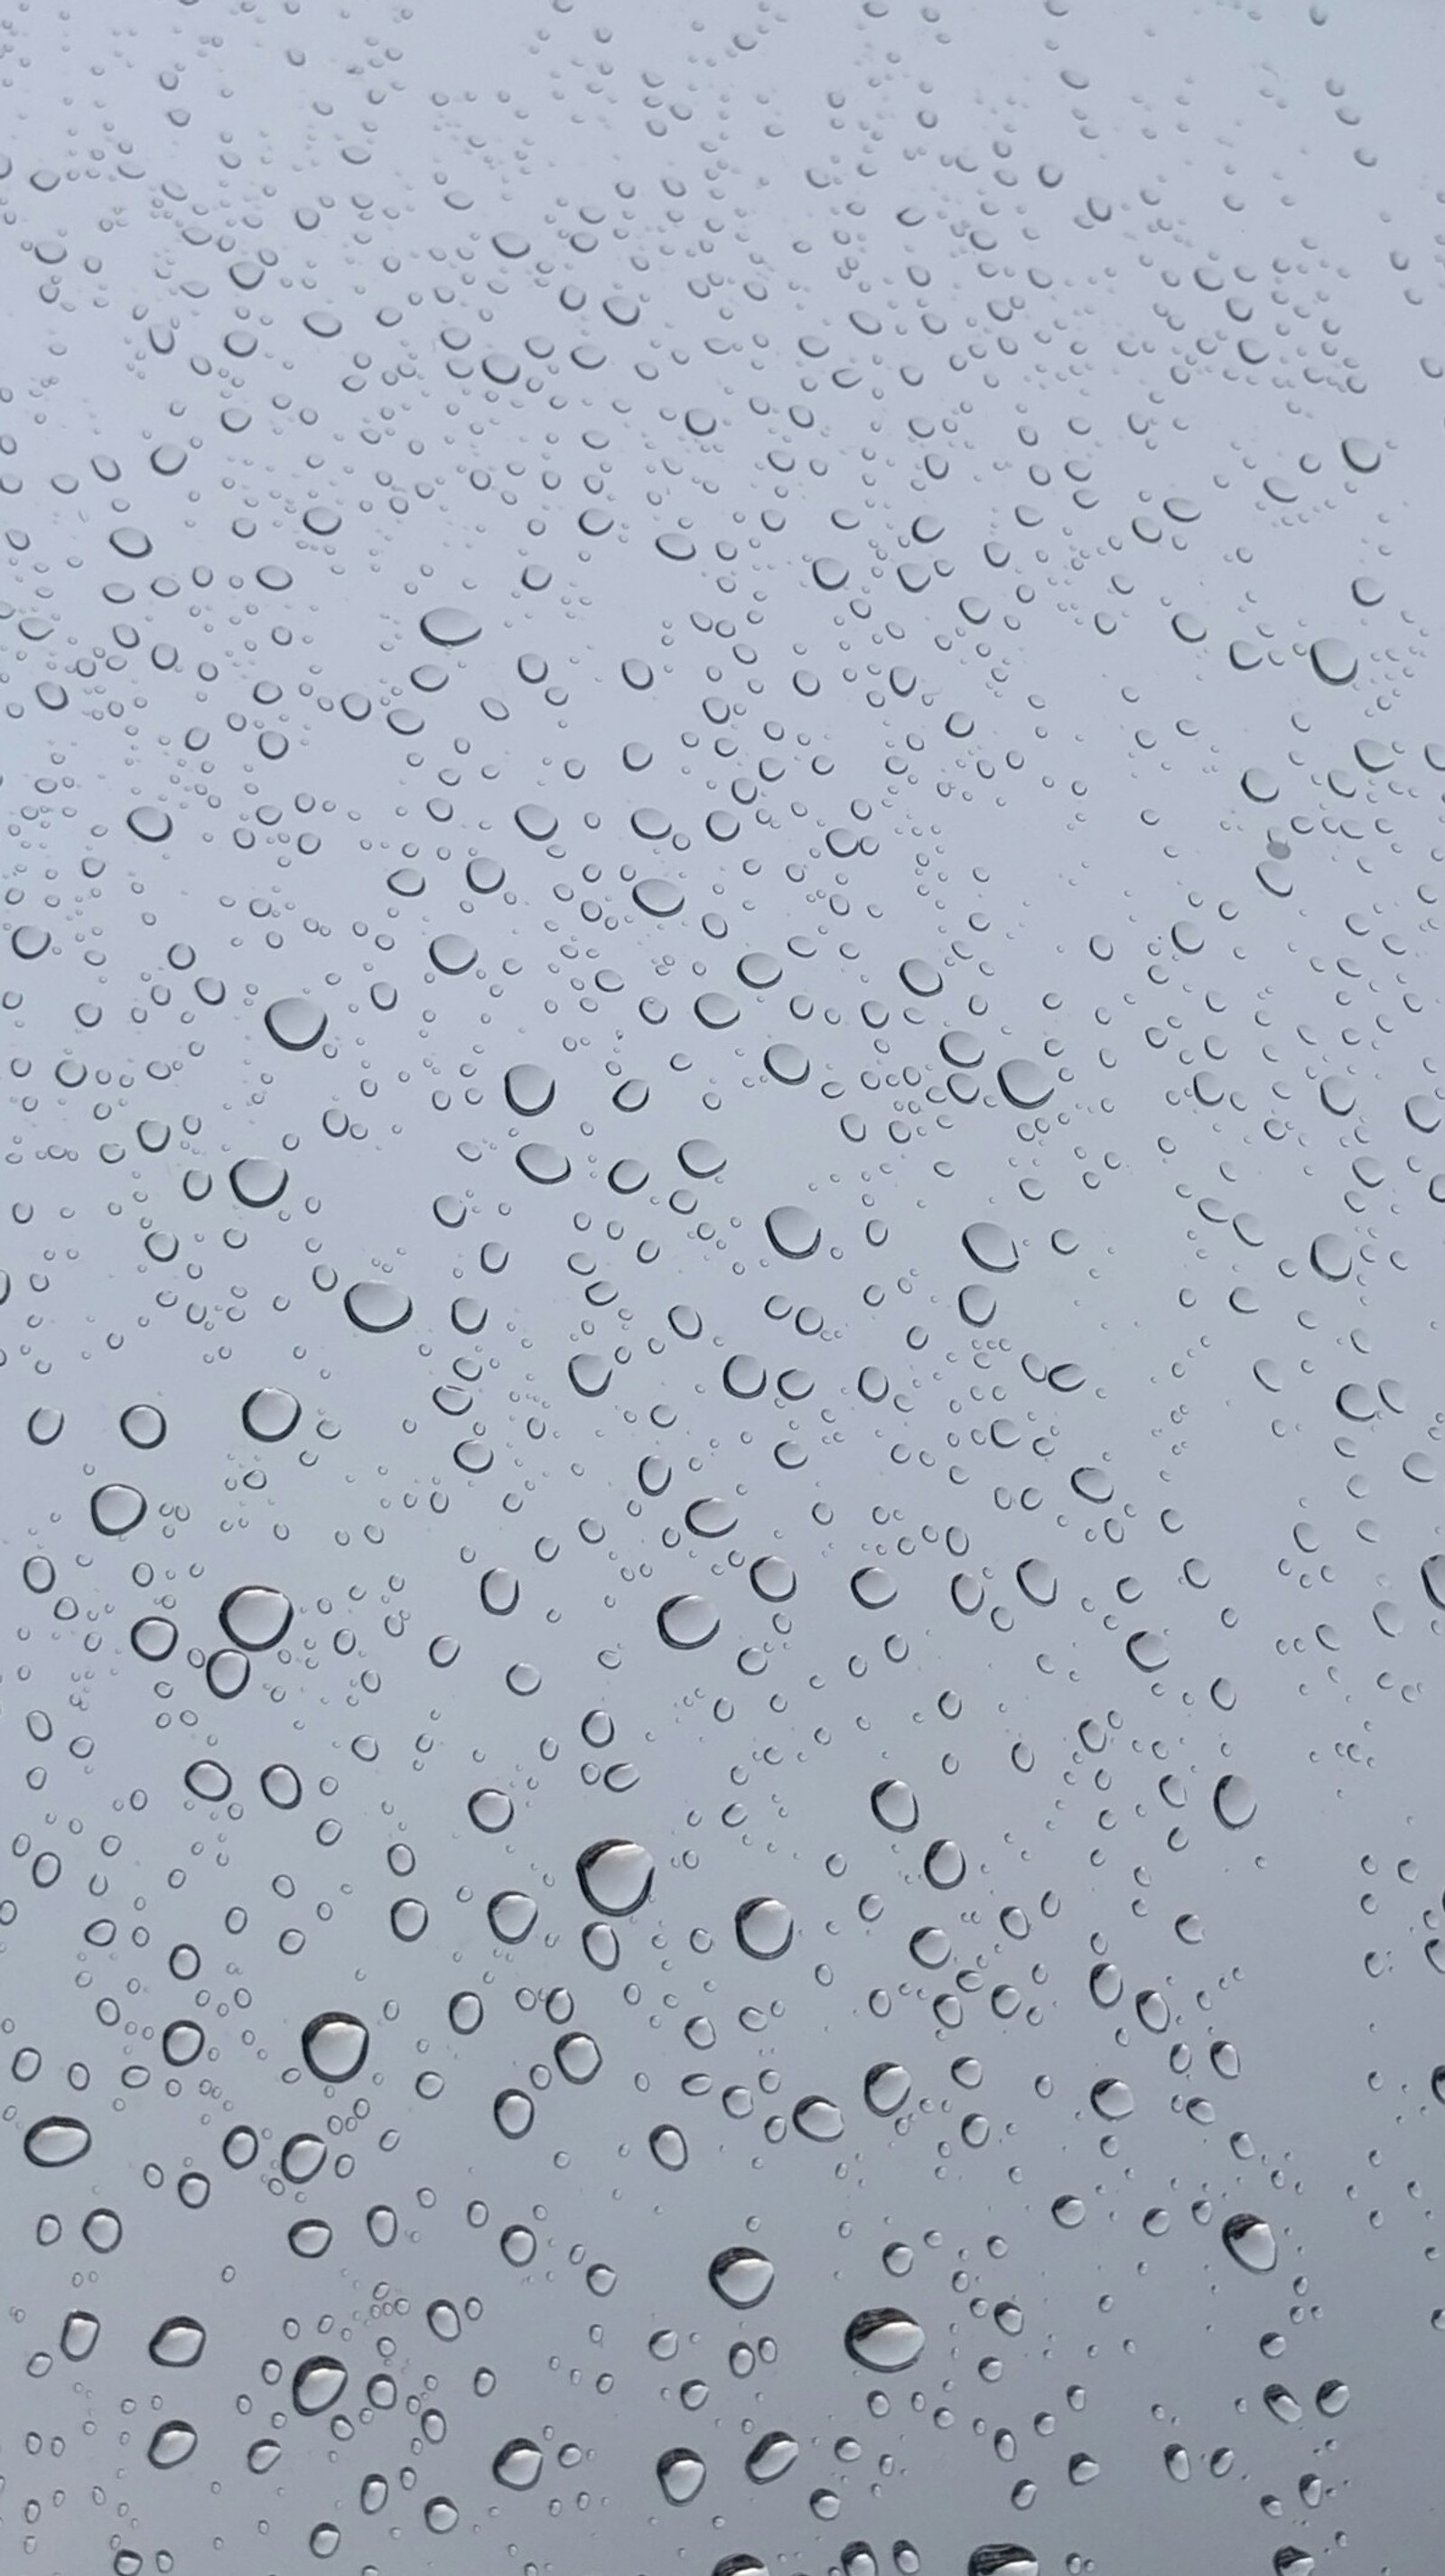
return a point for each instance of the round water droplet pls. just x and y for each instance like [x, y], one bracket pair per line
[873, 1587]
[1234, 1801]
[764, 1927]
[1333, 661]
[886, 2088]
[895, 1806]
[178, 2343]
[512, 1914]
[658, 896]
[376, 1306]
[1330, 1256]
[450, 626]
[296, 1024]
[687, 1620]
[170, 2444]
[538, 822]
[269, 1413]
[258, 1182]
[1147, 1651]
[1251, 2242]
[546, 1164]
[517, 2464]
[318, 2384]
[884, 2339]
[143, 1425]
[529, 1090]
[793, 1232]
[149, 823]
[57, 2141]
[616, 1877]
[116, 1509]
[334, 2046]
[770, 2458]
[256, 1616]
[681, 2475]
[988, 1245]
[1025, 1083]
[741, 2275]
[818, 2118]
[1112, 2098]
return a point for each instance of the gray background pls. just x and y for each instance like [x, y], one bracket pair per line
[1006, 443]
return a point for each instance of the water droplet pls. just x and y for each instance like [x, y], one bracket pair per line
[764, 1927]
[1251, 2242]
[450, 626]
[57, 2141]
[1026, 1085]
[741, 2275]
[258, 1182]
[988, 1245]
[116, 1509]
[296, 1024]
[318, 2384]
[529, 1090]
[517, 2464]
[681, 2475]
[170, 2444]
[1333, 661]
[256, 1616]
[792, 1232]
[616, 1876]
[1234, 1800]
[178, 2343]
[335, 2046]
[884, 2339]
[376, 1306]
[687, 1620]
[270, 1413]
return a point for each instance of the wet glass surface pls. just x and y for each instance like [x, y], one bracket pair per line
[723, 754]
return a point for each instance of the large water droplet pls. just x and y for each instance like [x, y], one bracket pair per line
[450, 626]
[884, 2339]
[256, 1616]
[616, 1877]
[681, 2475]
[1251, 2242]
[57, 2141]
[376, 1306]
[793, 1232]
[296, 1023]
[741, 2275]
[687, 1620]
[116, 1509]
[318, 2384]
[170, 2444]
[764, 1927]
[334, 2046]
[988, 1245]
[1234, 1800]
[517, 2464]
